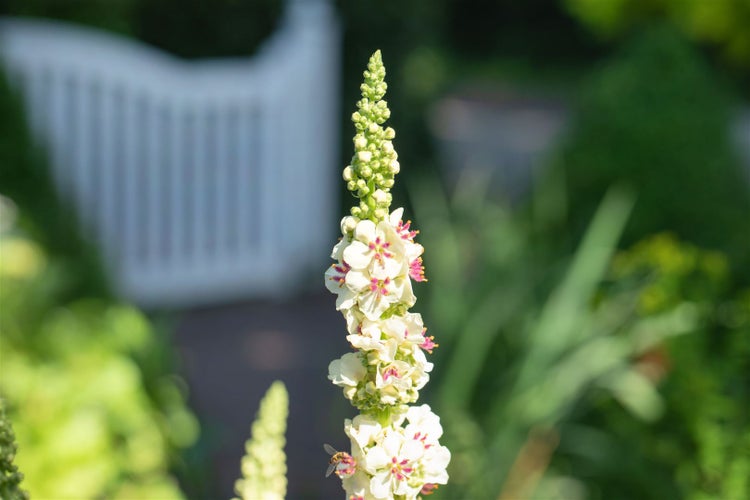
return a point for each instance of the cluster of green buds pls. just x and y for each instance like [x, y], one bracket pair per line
[375, 162]
[264, 463]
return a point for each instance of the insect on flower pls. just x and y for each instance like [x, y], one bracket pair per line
[341, 462]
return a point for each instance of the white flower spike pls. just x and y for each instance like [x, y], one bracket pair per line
[394, 447]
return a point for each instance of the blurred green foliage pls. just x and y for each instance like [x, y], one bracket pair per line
[10, 477]
[720, 22]
[655, 118]
[88, 380]
[25, 178]
[75, 375]
[601, 376]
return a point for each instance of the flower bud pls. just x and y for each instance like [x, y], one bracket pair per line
[381, 213]
[388, 147]
[364, 156]
[379, 196]
[373, 128]
[388, 183]
[348, 224]
[365, 171]
[360, 142]
[347, 173]
[394, 167]
[351, 185]
[390, 134]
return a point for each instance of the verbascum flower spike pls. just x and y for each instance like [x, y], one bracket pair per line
[264, 464]
[395, 453]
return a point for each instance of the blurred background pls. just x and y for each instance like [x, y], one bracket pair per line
[579, 171]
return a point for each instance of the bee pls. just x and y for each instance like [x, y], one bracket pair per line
[339, 457]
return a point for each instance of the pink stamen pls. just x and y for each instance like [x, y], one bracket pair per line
[416, 270]
[429, 489]
[391, 372]
[403, 229]
[380, 248]
[399, 469]
[380, 286]
[341, 270]
[429, 344]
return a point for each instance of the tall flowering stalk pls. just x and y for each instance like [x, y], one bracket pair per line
[264, 463]
[395, 451]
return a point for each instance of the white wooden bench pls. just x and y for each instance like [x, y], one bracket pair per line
[201, 181]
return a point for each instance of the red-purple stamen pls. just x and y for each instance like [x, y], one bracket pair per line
[399, 469]
[380, 248]
[391, 372]
[346, 465]
[416, 270]
[403, 229]
[429, 344]
[429, 489]
[421, 438]
[380, 286]
[341, 270]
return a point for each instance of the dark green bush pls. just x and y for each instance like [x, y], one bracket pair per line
[655, 118]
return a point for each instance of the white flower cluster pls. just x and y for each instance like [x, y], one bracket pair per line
[372, 277]
[396, 460]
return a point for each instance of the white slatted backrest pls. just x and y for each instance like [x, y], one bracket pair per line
[203, 180]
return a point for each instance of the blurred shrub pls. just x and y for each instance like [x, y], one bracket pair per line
[85, 423]
[701, 443]
[25, 177]
[88, 382]
[10, 477]
[721, 22]
[654, 118]
[579, 377]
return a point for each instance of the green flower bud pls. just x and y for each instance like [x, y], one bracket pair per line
[347, 173]
[370, 175]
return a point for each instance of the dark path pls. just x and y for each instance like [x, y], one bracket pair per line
[230, 356]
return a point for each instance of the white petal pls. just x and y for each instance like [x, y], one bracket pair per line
[412, 450]
[376, 458]
[380, 485]
[396, 216]
[358, 255]
[365, 231]
[357, 280]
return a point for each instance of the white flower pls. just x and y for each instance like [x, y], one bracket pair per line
[408, 328]
[395, 460]
[378, 248]
[386, 349]
[347, 372]
[357, 486]
[392, 464]
[376, 293]
[363, 431]
[335, 279]
[423, 426]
